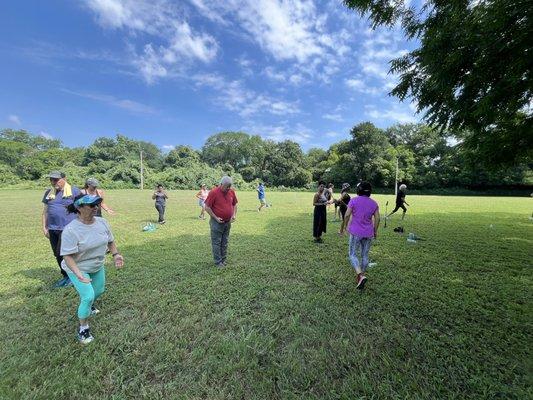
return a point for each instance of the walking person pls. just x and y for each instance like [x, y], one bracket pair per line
[55, 217]
[320, 203]
[221, 205]
[400, 201]
[84, 244]
[202, 196]
[91, 187]
[160, 196]
[343, 201]
[261, 196]
[363, 228]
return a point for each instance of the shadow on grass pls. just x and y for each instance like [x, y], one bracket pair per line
[282, 320]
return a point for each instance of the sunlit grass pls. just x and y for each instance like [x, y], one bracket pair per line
[447, 317]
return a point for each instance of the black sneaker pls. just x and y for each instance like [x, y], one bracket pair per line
[85, 336]
[94, 310]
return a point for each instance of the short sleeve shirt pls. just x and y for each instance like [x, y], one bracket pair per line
[222, 203]
[160, 198]
[261, 192]
[363, 208]
[57, 216]
[87, 244]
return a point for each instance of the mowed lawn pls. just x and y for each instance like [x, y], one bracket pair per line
[448, 317]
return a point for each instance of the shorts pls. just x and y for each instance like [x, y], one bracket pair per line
[262, 201]
[201, 203]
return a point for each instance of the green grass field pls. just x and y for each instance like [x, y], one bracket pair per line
[448, 317]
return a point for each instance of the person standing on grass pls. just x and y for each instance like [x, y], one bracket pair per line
[202, 196]
[400, 201]
[55, 216]
[160, 197]
[221, 205]
[91, 187]
[261, 196]
[343, 201]
[320, 202]
[84, 244]
[363, 228]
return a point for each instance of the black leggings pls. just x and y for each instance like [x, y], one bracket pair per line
[55, 242]
[398, 206]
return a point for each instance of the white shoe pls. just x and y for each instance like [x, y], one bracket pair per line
[85, 336]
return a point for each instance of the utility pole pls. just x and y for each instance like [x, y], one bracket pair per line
[142, 172]
[396, 182]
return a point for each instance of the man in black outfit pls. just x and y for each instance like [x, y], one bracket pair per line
[400, 201]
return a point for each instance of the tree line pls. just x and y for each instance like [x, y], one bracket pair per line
[427, 159]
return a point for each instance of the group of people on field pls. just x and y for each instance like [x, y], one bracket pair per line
[80, 237]
[359, 216]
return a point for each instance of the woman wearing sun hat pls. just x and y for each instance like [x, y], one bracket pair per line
[92, 187]
[83, 247]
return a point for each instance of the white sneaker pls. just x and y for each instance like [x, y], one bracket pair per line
[85, 336]
[94, 310]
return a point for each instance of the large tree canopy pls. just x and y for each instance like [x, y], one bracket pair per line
[472, 71]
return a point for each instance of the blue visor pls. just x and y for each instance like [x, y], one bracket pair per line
[87, 199]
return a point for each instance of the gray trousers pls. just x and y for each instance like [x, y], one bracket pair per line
[219, 239]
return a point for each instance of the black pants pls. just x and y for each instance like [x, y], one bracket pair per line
[319, 221]
[161, 209]
[398, 206]
[55, 243]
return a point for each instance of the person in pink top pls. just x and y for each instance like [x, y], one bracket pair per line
[202, 196]
[362, 228]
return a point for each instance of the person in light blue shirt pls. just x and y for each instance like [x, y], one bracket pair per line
[261, 196]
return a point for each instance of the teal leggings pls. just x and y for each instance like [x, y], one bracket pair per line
[88, 292]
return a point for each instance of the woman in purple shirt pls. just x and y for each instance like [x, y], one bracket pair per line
[363, 228]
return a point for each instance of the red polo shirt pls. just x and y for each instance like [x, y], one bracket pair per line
[222, 203]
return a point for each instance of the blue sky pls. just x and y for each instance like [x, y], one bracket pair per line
[176, 72]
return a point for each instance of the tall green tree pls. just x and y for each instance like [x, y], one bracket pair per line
[472, 72]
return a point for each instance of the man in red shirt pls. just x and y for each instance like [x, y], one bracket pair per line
[221, 205]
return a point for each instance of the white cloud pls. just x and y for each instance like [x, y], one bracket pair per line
[297, 133]
[291, 31]
[125, 104]
[395, 114]
[46, 135]
[378, 48]
[162, 20]
[333, 117]
[332, 134]
[234, 96]
[167, 147]
[14, 119]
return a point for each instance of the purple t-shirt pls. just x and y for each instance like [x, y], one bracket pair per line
[57, 216]
[362, 210]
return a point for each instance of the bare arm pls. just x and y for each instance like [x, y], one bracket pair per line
[315, 200]
[376, 223]
[346, 220]
[104, 206]
[44, 220]
[212, 214]
[69, 260]
[234, 212]
[153, 196]
[117, 257]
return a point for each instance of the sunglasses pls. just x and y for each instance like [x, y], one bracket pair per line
[54, 180]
